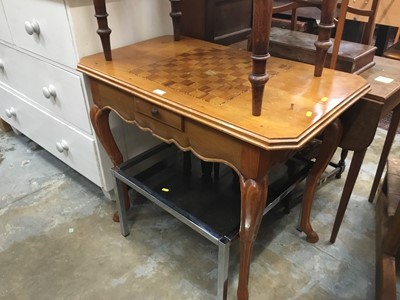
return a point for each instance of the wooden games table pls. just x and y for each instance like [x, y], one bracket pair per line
[197, 95]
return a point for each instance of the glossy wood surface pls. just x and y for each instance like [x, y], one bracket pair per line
[259, 40]
[205, 107]
[293, 96]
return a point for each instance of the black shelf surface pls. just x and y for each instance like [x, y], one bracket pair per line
[211, 203]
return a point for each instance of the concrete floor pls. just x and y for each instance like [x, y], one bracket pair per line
[57, 241]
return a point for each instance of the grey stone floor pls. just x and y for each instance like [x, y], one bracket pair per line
[58, 241]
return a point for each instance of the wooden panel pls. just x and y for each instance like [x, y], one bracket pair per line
[388, 12]
[231, 17]
[221, 21]
[194, 19]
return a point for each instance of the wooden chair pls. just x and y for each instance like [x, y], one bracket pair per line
[368, 31]
[388, 233]
[340, 22]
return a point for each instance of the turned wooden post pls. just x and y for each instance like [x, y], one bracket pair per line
[262, 15]
[324, 42]
[176, 15]
[104, 31]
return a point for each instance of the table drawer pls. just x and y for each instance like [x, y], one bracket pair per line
[158, 113]
[55, 89]
[72, 147]
[42, 26]
[4, 31]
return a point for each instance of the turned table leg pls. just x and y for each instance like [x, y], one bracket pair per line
[104, 31]
[254, 197]
[324, 42]
[332, 135]
[176, 15]
[262, 15]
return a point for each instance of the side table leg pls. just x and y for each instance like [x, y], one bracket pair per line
[254, 197]
[394, 124]
[355, 167]
[104, 31]
[332, 135]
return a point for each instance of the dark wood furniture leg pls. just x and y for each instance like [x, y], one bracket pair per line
[324, 42]
[355, 167]
[104, 31]
[254, 197]
[382, 39]
[262, 15]
[394, 124]
[342, 162]
[253, 180]
[176, 15]
[332, 136]
[100, 122]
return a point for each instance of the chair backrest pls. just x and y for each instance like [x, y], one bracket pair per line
[368, 31]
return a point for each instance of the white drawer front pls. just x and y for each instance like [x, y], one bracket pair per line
[4, 31]
[51, 134]
[55, 89]
[47, 21]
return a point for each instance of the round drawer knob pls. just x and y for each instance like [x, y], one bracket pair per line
[154, 112]
[62, 146]
[10, 112]
[49, 92]
[1, 65]
[32, 27]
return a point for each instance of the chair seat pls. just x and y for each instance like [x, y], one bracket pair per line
[299, 46]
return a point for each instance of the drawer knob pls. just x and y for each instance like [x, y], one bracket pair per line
[10, 112]
[32, 27]
[154, 111]
[62, 146]
[1, 65]
[49, 92]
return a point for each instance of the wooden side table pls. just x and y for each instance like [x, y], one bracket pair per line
[361, 121]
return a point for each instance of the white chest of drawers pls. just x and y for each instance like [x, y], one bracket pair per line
[41, 93]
